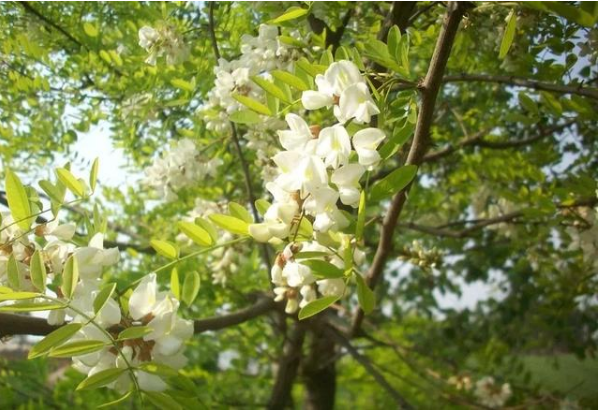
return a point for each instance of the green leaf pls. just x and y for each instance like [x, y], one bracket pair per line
[394, 43]
[398, 138]
[245, 117]
[175, 286]
[270, 88]
[378, 52]
[38, 271]
[252, 104]
[317, 306]
[290, 79]
[509, 35]
[31, 307]
[230, 223]
[552, 103]
[56, 338]
[311, 255]
[208, 227]
[182, 84]
[393, 182]
[72, 183]
[158, 369]
[78, 348]
[162, 400]
[311, 69]
[12, 271]
[365, 296]
[93, 175]
[238, 211]
[570, 12]
[191, 287]
[53, 191]
[323, 269]
[5, 289]
[292, 13]
[17, 199]
[134, 332]
[70, 276]
[196, 233]
[101, 378]
[18, 296]
[103, 296]
[90, 29]
[262, 206]
[165, 248]
[527, 103]
[117, 401]
[360, 217]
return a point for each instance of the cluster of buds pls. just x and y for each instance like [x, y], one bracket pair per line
[424, 258]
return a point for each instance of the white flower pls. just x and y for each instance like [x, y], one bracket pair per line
[491, 394]
[297, 275]
[299, 137]
[309, 295]
[300, 173]
[332, 287]
[346, 179]
[84, 296]
[148, 36]
[356, 102]
[53, 230]
[343, 85]
[366, 143]
[93, 258]
[334, 146]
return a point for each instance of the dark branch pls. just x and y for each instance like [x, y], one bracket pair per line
[524, 82]
[365, 362]
[478, 224]
[421, 141]
[11, 324]
[288, 366]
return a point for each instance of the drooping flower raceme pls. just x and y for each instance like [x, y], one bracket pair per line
[182, 167]
[163, 41]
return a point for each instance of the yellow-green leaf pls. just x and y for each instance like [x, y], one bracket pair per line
[18, 296]
[238, 211]
[196, 233]
[93, 175]
[230, 223]
[90, 29]
[18, 202]
[103, 297]
[14, 276]
[290, 79]
[72, 183]
[38, 271]
[191, 287]
[134, 332]
[101, 378]
[509, 35]
[365, 296]
[165, 248]
[70, 276]
[175, 284]
[31, 306]
[56, 338]
[271, 88]
[292, 13]
[252, 104]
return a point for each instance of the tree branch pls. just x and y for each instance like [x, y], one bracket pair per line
[288, 365]
[365, 362]
[524, 82]
[12, 324]
[482, 223]
[421, 140]
[478, 140]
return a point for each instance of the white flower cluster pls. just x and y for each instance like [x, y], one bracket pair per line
[181, 167]
[295, 282]
[163, 344]
[163, 41]
[491, 394]
[20, 245]
[258, 56]
[319, 167]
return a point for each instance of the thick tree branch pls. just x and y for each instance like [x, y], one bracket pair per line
[524, 82]
[288, 366]
[421, 141]
[12, 324]
[399, 15]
